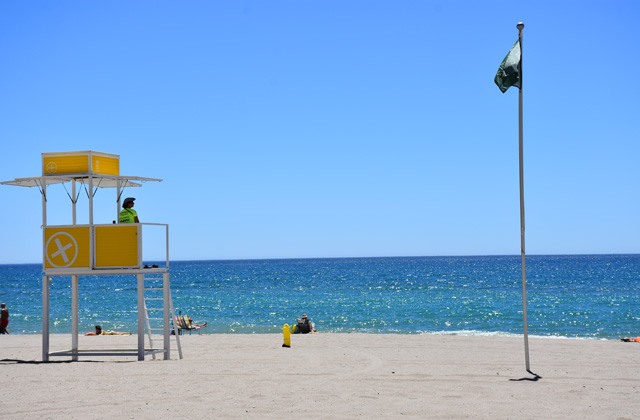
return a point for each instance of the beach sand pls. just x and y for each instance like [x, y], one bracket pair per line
[324, 376]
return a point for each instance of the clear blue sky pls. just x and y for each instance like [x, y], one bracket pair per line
[286, 129]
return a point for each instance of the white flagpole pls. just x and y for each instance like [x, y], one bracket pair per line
[520, 27]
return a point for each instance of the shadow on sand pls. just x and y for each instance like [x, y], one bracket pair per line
[535, 378]
[38, 362]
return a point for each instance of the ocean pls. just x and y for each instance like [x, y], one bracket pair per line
[573, 296]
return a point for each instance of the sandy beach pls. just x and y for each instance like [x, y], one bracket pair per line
[325, 376]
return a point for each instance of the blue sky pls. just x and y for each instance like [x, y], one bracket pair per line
[288, 129]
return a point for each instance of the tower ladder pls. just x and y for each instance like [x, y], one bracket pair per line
[154, 311]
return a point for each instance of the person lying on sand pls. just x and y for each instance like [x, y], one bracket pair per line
[195, 324]
[631, 339]
[100, 331]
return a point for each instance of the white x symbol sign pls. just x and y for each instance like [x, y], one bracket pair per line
[52, 168]
[64, 247]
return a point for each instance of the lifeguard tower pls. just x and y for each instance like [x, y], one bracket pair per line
[100, 249]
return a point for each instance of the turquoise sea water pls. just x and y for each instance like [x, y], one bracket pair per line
[585, 296]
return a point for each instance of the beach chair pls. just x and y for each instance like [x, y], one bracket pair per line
[184, 323]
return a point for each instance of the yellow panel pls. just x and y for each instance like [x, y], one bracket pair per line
[117, 246]
[66, 247]
[80, 163]
[62, 165]
[105, 165]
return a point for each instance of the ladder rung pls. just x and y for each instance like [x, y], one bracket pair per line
[153, 288]
[155, 319]
[153, 298]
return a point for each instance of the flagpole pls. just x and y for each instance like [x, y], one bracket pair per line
[520, 27]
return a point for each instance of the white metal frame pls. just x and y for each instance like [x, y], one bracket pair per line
[94, 181]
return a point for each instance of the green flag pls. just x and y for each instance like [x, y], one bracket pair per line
[510, 73]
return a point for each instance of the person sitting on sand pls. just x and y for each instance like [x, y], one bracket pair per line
[100, 331]
[304, 325]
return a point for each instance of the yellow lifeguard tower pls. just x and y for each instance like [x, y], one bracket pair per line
[99, 249]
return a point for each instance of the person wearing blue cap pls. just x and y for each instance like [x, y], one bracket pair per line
[128, 214]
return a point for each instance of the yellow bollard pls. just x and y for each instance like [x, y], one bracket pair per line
[286, 332]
